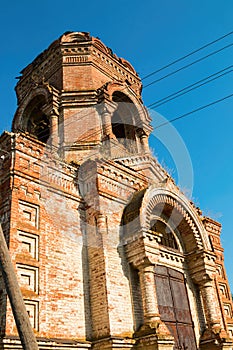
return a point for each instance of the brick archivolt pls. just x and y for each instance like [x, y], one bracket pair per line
[179, 204]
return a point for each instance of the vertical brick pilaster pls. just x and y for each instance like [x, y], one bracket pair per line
[211, 307]
[54, 130]
[98, 288]
[148, 290]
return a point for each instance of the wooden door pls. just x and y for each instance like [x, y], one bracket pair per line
[174, 307]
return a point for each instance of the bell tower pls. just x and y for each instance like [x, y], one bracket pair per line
[79, 97]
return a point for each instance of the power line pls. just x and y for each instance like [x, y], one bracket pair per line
[187, 55]
[188, 65]
[191, 87]
[178, 93]
[193, 111]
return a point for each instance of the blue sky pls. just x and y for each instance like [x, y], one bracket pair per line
[149, 34]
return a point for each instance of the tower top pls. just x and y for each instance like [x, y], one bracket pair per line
[72, 49]
[78, 93]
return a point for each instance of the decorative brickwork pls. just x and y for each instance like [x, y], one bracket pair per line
[108, 251]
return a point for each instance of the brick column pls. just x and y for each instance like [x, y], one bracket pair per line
[101, 223]
[203, 270]
[143, 140]
[145, 144]
[54, 130]
[210, 303]
[97, 230]
[148, 290]
[53, 115]
[143, 254]
[106, 110]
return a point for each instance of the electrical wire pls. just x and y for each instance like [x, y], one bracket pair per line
[166, 99]
[174, 72]
[178, 95]
[184, 67]
[178, 118]
[188, 88]
[187, 55]
[188, 65]
[191, 87]
[194, 111]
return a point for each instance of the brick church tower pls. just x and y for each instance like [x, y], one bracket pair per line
[108, 251]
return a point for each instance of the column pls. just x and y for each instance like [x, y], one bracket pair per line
[54, 130]
[106, 109]
[145, 144]
[53, 114]
[101, 224]
[211, 304]
[148, 290]
[97, 277]
[143, 140]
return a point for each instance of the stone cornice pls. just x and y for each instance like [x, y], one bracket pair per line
[75, 99]
[110, 180]
[80, 48]
[137, 161]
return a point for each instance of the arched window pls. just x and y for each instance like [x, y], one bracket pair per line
[123, 121]
[36, 122]
[38, 125]
[167, 236]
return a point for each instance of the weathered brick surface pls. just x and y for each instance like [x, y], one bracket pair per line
[78, 211]
[59, 257]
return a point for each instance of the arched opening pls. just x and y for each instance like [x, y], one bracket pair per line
[172, 281]
[38, 126]
[36, 122]
[118, 127]
[123, 121]
[174, 227]
[167, 235]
